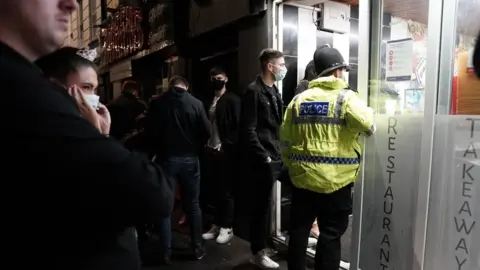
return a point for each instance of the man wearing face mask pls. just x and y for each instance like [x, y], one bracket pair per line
[260, 121]
[224, 115]
[320, 147]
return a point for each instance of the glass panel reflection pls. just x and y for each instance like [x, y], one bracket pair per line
[392, 155]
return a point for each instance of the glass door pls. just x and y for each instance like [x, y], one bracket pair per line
[453, 236]
[419, 201]
[403, 62]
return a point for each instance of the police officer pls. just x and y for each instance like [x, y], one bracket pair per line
[320, 146]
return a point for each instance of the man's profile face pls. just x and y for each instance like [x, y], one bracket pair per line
[276, 64]
[43, 23]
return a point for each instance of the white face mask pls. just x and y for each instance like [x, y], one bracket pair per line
[92, 100]
[281, 74]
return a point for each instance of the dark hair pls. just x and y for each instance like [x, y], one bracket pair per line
[177, 80]
[267, 55]
[217, 71]
[62, 62]
[310, 73]
[130, 87]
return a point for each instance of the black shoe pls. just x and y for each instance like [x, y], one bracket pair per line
[199, 253]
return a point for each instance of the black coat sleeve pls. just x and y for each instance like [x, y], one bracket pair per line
[248, 126]
[228, 119]
[301, 87]
[203, 126]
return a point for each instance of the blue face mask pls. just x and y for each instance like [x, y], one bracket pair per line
[281, 74]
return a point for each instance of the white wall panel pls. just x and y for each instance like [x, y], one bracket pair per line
[307, 40]
[342, 43]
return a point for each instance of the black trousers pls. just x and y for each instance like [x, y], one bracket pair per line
[332, 212]
[222, 174]
[263, 176]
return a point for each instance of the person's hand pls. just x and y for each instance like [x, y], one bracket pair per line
[104, 119]
[85, 109]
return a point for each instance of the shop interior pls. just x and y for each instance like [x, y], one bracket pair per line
[397, 71]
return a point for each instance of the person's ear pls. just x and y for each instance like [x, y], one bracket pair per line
[270, 67]
[226, 79]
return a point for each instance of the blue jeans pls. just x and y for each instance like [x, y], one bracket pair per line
[186, 172]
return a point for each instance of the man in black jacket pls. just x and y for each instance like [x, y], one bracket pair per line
[224, 114]
[261, 117]
[178, 128]
[73, 191]
[125, 109]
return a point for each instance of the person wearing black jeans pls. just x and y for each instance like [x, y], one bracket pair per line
[333, 211]
[221, 151]
[177, 128]
[260, 121]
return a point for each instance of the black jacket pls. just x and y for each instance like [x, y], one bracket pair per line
[301, 87]
[228, 120]
[124, 110]
[85, 189]
[177, 124]
[260, 122]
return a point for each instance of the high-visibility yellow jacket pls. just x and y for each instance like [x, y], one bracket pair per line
[319, 135]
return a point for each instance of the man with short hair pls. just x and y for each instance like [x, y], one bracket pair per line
[224, 114]
[86, 188]
[178, 128]
[125, 109]
[260, 121]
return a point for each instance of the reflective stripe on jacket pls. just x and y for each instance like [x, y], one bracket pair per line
[319, 135]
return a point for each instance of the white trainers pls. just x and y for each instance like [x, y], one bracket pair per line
[225, 236]
[264, 262]
[212, 233]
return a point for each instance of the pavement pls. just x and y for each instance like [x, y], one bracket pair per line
[232, 256]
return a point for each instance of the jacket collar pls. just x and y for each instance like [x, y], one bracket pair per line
[262, 83]
[12, 55]
[328, 83]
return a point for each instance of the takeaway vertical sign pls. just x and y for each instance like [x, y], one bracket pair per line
[464, 233]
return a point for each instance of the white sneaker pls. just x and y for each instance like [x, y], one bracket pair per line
[212, 233]
[225, 236]
[264, 262]
[311, 241]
